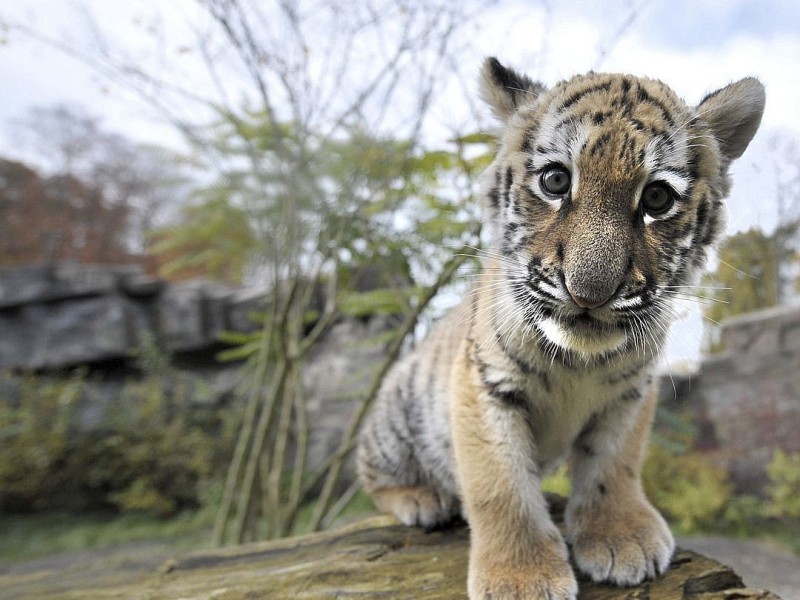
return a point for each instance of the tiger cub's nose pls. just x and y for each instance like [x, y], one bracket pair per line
[596, 299]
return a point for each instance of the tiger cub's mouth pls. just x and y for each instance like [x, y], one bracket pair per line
[584, 334]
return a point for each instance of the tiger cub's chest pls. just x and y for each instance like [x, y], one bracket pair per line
[559, 400]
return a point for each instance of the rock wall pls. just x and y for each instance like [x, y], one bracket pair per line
[748, 397]
[67, 314]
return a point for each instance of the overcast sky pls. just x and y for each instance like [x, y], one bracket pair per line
[696, 46]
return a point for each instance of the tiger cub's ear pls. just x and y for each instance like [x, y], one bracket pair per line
[734, 114]
[505, 90]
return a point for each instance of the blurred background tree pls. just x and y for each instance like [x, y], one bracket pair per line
[310, 179]
[304, 190]
[756, 269]
[748, 274]
[93, 198]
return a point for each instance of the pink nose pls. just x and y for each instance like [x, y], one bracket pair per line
[588, 303]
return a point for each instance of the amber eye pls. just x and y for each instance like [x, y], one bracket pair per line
[555, 180]
[657, 199]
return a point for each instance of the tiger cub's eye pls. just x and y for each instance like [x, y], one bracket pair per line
[556, 180]
[657, 199]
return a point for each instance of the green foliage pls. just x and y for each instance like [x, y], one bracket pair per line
[352, 224]
[243, 345]
[288, 197]
[694, 493]
[674, 429]
[154, 451]
[747, 275]
[777, 516]
[384, 301]
[34, 429]
[29, 536]
[558, 482]
[214, 239]
[743, 515]
[784, 487]
[689, 489]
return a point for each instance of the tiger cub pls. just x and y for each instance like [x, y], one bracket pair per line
[603, 199]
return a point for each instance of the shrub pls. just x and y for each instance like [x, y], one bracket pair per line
[744, 515]
[784, 486]
[34, 422]
[153, 451]
[688, 488]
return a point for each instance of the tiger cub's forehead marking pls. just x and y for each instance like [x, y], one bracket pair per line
[639, 123]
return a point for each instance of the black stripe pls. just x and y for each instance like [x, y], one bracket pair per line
[524, 242]
[494, 193]
[509, 246]
[399, 434]
[702, 220]
[541, 294]
[523, 365]
[626, 147]
[507, 181]
[712, 221]
[624, 375]
[502, 390]
[599, 144]
[527, 140]
[631, 395]
[409, 399]
[643, 96]
[583, 439]
[516, 399]
[577, 96]
[389, 456]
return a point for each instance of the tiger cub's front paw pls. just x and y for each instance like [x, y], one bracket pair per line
[625, 549]
[523, 584]
[519, 584]
[548, 576]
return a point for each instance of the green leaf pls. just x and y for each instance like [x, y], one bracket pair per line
[479, 137]
[387, 301]
[241, 352]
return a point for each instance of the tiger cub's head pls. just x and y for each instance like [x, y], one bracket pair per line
[605, 196]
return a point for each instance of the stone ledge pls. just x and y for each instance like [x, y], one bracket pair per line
[373, 558]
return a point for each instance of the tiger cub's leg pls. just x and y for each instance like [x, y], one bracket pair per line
[393, 477]
[516, 551]
[615, 533]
